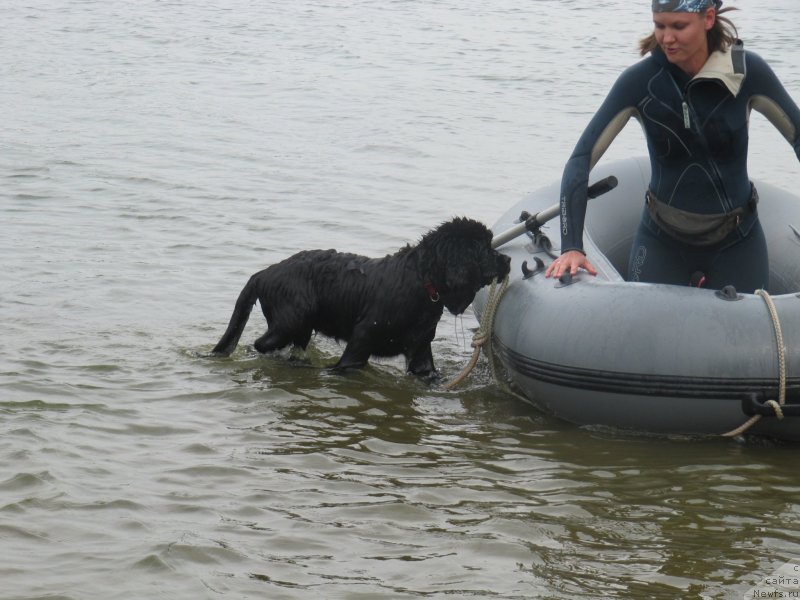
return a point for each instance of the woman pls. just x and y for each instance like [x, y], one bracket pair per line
[692, 95]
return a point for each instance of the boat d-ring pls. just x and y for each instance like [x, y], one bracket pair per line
[753, 405]
[566, 279]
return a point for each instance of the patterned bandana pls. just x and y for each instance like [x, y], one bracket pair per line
[693, 6]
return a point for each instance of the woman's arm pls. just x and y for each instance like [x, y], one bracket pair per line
[612, 116]
[770, 98]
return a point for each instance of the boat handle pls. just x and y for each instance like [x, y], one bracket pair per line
[751, 406]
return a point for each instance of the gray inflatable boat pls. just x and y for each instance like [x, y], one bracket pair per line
[648, 357]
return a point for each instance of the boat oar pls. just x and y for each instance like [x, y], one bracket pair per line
[534, 221]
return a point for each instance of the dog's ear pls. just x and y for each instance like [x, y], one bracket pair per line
[455, 254]
[459, 275]
[466, 263]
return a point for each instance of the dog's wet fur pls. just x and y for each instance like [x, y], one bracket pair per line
[379, 306]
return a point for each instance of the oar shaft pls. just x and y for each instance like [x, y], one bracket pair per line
[539, 218]
[596, 189]
[509, 234]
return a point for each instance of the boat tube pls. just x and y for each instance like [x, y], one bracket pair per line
[641, 356]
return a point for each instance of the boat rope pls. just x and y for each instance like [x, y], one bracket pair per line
[776, 406]
[483, 336]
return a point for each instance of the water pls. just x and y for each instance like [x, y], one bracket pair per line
[153, 154]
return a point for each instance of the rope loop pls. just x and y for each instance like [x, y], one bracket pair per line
[777, 408]
[482, 339]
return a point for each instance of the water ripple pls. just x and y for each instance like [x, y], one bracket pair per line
[153, 158]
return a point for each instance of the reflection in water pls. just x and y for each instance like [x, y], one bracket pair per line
[490, 484]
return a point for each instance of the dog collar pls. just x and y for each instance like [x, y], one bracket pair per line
[433, 293]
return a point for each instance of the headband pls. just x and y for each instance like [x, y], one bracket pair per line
[693, 6]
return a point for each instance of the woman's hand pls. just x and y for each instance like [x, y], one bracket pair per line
[570, 261]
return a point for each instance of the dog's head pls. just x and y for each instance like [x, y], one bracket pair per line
[458, 260]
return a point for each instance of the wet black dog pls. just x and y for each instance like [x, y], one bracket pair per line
[380, 306]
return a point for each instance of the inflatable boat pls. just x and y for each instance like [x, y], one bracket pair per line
[646, 357]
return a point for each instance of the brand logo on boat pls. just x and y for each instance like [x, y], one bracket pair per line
[638, 263]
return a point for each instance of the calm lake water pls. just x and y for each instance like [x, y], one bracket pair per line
[154, 154]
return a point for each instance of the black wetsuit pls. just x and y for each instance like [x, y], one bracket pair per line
[697, 137]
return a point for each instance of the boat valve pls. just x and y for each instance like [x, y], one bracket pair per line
[728, 293]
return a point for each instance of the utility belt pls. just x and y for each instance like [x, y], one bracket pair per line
[697, 229]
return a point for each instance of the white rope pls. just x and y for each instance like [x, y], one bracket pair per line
[483, 336]
[776, 406]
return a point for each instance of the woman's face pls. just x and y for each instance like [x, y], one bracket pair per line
[682, 37]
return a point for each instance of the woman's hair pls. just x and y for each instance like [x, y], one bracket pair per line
[720, 37]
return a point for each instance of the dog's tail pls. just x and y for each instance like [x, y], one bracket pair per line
[241, 312]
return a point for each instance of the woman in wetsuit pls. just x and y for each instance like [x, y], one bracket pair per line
[692, 95]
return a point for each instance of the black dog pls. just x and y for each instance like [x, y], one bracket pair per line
[380, 306]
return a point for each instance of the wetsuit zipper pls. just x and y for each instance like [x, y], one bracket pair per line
[691, 123]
